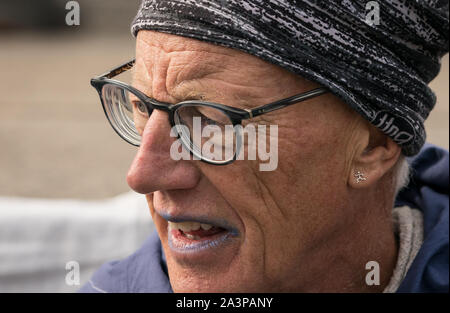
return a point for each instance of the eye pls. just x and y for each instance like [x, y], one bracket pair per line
[141, 107]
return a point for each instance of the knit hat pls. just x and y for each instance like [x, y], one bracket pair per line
[378, 56]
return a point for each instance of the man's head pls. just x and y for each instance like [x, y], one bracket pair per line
[314, 222]
[285, 225]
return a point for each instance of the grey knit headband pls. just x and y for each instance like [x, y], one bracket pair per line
[380, 68]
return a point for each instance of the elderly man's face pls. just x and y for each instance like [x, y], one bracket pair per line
[275, 225]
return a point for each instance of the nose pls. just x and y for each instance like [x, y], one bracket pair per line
[153, 169]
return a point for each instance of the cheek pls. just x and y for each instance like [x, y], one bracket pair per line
[304, 198]
[313, 153]
[312, 168]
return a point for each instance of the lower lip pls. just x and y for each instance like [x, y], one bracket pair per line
[178, 242]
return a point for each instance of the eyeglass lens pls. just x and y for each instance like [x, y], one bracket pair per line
[206, 131]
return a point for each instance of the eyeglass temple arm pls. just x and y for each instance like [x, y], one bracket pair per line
[286, 102]
[118, 70]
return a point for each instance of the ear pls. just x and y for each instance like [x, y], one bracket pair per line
[377, 154]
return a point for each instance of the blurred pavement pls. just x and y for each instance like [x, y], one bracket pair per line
[39, 237]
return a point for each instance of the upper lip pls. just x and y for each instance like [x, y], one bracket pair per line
[199, 219]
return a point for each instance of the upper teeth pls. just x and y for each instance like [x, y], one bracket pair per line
[189, 226]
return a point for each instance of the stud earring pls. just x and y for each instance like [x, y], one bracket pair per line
[360, 177]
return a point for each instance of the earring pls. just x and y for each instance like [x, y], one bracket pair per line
[360, 177]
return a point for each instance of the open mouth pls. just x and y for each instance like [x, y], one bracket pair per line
[194, 231]
[193, 236]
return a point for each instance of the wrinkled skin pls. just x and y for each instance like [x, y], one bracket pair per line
[305, 227]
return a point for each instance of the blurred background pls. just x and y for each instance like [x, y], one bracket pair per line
[55, 140]
[55, 143]
[63, 194]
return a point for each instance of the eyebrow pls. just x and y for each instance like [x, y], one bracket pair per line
[194, 95]
[187, 94]
[181, 97]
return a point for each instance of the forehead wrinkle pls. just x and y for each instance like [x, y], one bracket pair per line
[193, 66]
[198, 73]
[160, 88]
[163, 73]
[141, 78]
[172, 43]
[231, 85]
[200, 89]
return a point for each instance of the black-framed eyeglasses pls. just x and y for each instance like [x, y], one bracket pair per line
[128, 109]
